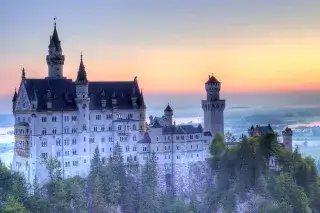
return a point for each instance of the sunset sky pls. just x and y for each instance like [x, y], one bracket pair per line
[172, 46]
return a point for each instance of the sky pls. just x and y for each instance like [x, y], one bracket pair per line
[251, 46]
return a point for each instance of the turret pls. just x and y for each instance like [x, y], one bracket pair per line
[14, 99]
[168, 113]
[213, 107]
[287, 138]
[55, 59]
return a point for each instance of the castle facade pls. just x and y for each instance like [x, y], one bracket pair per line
[65, 119]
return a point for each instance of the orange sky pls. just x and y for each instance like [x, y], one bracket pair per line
[242, 65]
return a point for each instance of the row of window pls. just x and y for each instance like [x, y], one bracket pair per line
[21, 131]
[182, 137]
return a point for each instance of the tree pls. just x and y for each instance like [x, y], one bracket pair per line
[13, 206]
[149, 201]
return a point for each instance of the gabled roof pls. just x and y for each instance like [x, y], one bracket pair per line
[64, 93]
[146, 138]
[156, 124]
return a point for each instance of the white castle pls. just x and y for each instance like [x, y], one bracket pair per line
[65, 119]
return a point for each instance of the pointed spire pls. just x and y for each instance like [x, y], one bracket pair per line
[168, 108]
[51, 44]
[82, 74]
[15, 95]
[55, 37]
[23, 74]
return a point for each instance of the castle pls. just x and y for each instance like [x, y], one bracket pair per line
[65, 119]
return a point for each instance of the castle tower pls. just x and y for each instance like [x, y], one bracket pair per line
[55, 59]
[83, 101]
[287, 138]
[168, 113]
[213, 107]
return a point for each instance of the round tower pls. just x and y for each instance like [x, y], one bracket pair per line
[213, 107]
[55, 58]
[287, 138]
[168, 114]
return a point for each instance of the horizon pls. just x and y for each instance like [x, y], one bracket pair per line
[253, 48]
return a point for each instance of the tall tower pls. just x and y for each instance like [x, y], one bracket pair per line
[168, 113]
[213, 107]
[83, 102]
[55, 59]
[287, 138]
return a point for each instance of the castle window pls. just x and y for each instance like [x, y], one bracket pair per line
[91, 140]
[168, 137]
[58, 142]
[84, 150]
[103, 139]
[178, 157]
[66, 142]
[102, 150]
[177, 138]
[74, 130]
[44, 155]
[44, 132]
[84, 127]
[44, 143]
[191, 147]
[54, 131]
[66, 118]
[144, 149]
[75, 163]
[165, 138]
[98, 117]
[44, 119]
[66, 153]
[74, 141]
[127, 148]
[157, 138]
[110, 149]
[130, 116]
[134, 127]
[74, 118]
[169, 156]
[102, 128]
[109, 116]
[134, 148]
[178, 147]
[197, 136]
[66, 130]
[74, 152]
[84, 138]
[191, 137]
[84, 161]
[135, 158]
[165, 147]
[59, 164]
[103, 160]
[182, 137]
[157, 148]
[119, 127]
[95, 129]
[191, 155]
[134, 138]
[110, 128]
[67, 164]
[197, 146]
[58, 153]
[197, 155]
[169, 147]
[110, 139]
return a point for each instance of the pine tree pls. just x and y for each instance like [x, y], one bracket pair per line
[13, 206]
[149, 200]
[36, 202]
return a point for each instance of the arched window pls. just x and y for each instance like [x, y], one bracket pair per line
[134, 127]
[119, 127]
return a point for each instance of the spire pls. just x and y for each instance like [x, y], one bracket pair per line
[168, 108]
[51, 44]
[82, 74]
[23, 74]
[15, 95]
[55, 38]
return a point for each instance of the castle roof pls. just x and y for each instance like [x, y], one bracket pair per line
[182, 129]
[146, 138]
[82, 74]
[260, 130]
[212, 79]
[64, 93]
[55, 39]
[168, 109]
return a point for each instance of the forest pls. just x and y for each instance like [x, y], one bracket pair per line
[241, 178]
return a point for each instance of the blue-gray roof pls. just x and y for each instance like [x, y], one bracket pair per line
[182, 129]
[146, 138]
[64, 93]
